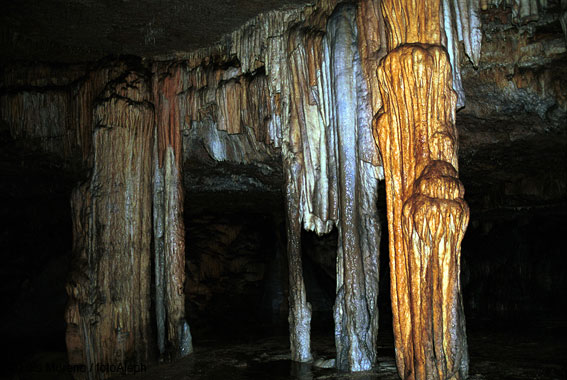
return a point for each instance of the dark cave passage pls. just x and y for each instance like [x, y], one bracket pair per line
[319, 255]
[36, 243]
[236, 269]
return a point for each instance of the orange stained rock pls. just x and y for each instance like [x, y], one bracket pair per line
[427, 215]
[168, 116]
[412, 21]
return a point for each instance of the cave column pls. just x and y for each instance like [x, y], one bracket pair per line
[108, 312]
[173, 332]
[134, 190]
[427, 215]
[356, 308]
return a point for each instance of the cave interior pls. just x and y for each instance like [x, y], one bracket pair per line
[65, 63]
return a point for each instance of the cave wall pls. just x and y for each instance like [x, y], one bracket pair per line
[236, 274]
[513, 159]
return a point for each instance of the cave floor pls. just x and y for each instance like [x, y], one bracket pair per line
[504, 350]
[497, 351]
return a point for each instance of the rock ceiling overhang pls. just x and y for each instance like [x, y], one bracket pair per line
[87, 30]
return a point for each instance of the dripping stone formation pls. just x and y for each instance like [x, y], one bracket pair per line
[340, 95]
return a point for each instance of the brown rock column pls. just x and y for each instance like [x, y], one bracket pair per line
[108, 312]
[427, 215]
[173, 332]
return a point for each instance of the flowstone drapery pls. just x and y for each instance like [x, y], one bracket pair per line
[427, 215]
[332, 171]
[300, 82]
[168, 225]
[108, 312]
[114, 213]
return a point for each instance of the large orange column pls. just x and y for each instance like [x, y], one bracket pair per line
[427, 215]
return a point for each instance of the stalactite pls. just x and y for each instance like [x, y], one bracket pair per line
[299, 309]
[55, 113]
[169, 229]
[35, 74]
[330, 164]
[295, 111]
[461, 23]
[83, 95]
[302, 80]
[227, 112]
[108, 312]
[427, 215]
[523, 11]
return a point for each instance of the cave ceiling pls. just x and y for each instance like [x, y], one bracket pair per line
[512, 131]
[87, 30]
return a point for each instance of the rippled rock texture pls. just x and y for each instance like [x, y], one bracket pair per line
[108, 315]
[427, 215]
[287, 102]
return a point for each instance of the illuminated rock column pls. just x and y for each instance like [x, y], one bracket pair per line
[427, 215]
[356, 308]
[108, 312]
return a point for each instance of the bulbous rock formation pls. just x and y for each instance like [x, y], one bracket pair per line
[427, 215]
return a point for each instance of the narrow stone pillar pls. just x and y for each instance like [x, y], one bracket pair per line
[427, 215]
[356, 305]
[299, 309]
[173, 332]
[108, 312]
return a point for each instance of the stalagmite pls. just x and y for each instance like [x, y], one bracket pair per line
[108, 315]
[299, 309]
[427, 215]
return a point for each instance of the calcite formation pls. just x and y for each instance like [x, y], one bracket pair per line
[168, 226]
[356, 307]
[298, 85]
[108, 315]
[523, 11]
[427, 215]
[333, 176]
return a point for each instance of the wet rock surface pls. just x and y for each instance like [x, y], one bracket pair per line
[496, 352]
